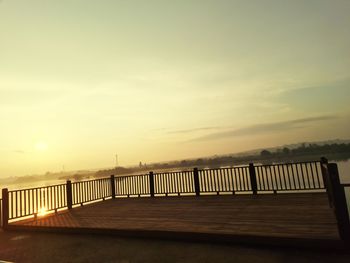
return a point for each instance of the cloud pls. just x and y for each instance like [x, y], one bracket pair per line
[330, 96]
[266, 128]
[192, 130]
[19, 151]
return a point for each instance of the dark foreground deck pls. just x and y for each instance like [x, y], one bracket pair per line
[284, 219]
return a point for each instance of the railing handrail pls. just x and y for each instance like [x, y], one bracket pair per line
[131, 175]
[289, 163]
[34, 188]
[90, 180]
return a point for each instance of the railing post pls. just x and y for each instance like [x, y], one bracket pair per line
[151, 183]
[326, 182]
[69, 194]
[339, 202]
[5, 207]
[252, 175]
[112, 186]
[196, 181]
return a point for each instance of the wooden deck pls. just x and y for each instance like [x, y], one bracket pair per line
[283, 218]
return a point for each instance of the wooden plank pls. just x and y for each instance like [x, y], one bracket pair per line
[303, 216]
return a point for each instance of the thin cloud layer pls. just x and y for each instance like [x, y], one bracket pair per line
[266, 128]
[192, 130]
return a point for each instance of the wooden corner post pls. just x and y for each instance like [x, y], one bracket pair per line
[69, 194]
[5, 207]
[112, 186]
[339, 202]
[252, 176]
[325, 178]
[151, 183]
[196, 181]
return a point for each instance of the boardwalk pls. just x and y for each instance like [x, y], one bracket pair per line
[305, 217]
[294, 204]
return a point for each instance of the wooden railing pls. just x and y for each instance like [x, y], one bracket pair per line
[293, 176]
[33, 201]
[91, 190]
[250, 178]
[232, 179]
[137, 185]
[253, 179]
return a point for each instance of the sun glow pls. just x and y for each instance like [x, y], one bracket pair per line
[41, 146]
[42, 211]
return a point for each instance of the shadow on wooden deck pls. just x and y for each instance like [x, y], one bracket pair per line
[299, 220]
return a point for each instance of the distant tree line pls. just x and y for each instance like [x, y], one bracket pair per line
[305, 152]
[305, 149]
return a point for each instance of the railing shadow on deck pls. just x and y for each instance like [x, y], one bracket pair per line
[249, 179]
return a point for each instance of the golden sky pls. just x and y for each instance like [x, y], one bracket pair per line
[153, 80]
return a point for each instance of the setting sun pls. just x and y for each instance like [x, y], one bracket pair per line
[42, 211]
[41, 146]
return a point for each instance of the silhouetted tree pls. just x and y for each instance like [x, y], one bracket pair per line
[265, 153]
[286, 151]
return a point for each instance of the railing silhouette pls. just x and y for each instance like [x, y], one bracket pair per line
[91, 190]
[132, 185]
[248, 179]
[33, 201]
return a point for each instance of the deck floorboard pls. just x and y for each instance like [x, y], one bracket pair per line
[301, 216]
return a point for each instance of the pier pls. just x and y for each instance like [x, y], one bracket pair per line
[291, 204]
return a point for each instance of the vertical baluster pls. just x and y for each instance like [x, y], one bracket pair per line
[159, 183]
[51, 197]
[201, 174]
[259, 178]
[301, 173]
[284, 177]
[306, 174]
[264, 175]
[121, 181]
[227, 180]
[239, 172]
[243, 172]
[234, 180]
[230, 178]
[136, 184]
[278, 179]
[268, 177]
[312, 172]
[297, 176]
[172, 182]
[291, 175]
[317, 174]
[202, 185]
[246, 176]
[210, 177]
[184, 182]
[189, 184]
[142, 185]
[12, 204]
[32, 202]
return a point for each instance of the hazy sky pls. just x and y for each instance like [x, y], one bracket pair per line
[160, 80]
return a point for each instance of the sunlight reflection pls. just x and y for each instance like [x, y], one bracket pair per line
[42, 211]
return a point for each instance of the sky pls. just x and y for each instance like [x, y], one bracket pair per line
[82, 81]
